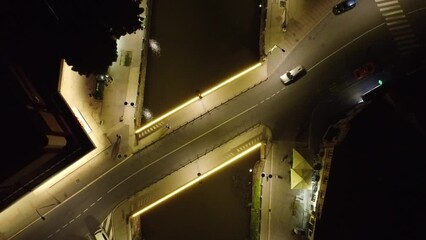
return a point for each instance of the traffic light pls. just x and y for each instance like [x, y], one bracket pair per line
[380, 82]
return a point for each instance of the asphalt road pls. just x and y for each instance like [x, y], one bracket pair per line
[286, 110]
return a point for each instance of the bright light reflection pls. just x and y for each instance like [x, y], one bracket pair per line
[197, 98]
[155, 46]
[231, 79]
[163, 199]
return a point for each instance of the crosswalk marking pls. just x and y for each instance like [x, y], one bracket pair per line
[395, 17]
[389, 8]
[386, 3]
[404, 37]
[408, 47]
[406, 41]
[391, 23]
[398, 25]
[107, 226]
[400, 32]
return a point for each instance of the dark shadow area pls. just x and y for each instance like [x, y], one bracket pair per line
[41, 132]
[376, 185]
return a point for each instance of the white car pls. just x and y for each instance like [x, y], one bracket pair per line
[292, 75]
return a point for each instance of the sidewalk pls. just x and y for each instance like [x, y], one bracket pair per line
[302, 17]
[285, 208]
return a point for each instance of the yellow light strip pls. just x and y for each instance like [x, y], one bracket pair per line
[187, 185]
[197, 98]
[230, 79]
[166, 115]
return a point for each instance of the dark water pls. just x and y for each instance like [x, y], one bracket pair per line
[216, 208]
[202, 43]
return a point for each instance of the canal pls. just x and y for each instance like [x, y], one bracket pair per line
[196, 45]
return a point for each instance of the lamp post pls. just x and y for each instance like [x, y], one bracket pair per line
[276, 46]
[272, 49]
[41, 216]
[199, 94]
[50, 205]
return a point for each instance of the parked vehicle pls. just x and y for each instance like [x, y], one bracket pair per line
[344, 6]
[292, 75]
[364, 70]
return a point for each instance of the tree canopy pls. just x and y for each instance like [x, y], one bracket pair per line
[89, 50]
[90, 28]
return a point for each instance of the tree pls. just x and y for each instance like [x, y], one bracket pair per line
[121, 17]
[90, 29]
[89, 50]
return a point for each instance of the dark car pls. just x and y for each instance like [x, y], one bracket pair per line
[344, 6]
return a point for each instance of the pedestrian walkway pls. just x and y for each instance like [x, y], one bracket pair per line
[276, 196]
[398, 25]
[302, 17]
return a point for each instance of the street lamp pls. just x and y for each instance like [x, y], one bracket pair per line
[41, 216]
[50, 205]
[276, 46]
[272, 49]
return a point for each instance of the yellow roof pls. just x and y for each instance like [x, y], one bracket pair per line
[301, 172]
[299, 161]
[300, 179]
